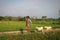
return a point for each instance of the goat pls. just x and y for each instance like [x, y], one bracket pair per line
[48, 27]
[39, 29]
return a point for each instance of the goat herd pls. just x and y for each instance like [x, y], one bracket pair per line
[42, 29]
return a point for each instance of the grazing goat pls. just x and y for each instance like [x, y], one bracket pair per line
[39, 29]
[48, 27]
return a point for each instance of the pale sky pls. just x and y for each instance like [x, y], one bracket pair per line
[32, 8]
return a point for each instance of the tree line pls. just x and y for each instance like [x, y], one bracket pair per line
[10, 18]
[19, 18]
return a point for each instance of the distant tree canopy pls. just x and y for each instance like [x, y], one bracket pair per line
[1, 18]
[44, 17]
[10, 18]
[19, 18]
[59, 14]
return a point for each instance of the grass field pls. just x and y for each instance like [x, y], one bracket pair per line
[17, 25]
[32, 36]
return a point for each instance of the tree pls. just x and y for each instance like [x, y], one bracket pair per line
[44, 17]
[21, 18]
[10, 18]
[59, 14]
[1, 18]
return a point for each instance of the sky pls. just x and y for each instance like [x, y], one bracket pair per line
[37, 8]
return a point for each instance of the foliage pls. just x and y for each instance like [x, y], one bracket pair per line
[1, 18]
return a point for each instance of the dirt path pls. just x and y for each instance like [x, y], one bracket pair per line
[12, 32]
[17, 32]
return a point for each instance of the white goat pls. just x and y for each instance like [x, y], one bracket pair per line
[39, 28]
[48, 27]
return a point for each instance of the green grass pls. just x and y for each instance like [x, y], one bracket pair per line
[32, 36]
[11, 25]
[17, 25]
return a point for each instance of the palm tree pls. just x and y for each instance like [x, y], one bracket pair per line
[59, 16]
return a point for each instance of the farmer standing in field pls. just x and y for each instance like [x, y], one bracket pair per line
[28, 24]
